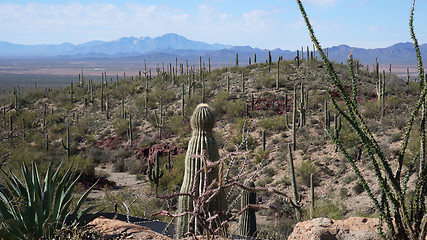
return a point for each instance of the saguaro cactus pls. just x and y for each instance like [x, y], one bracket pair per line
[295, 126]
[159, 119]
[263, 140]
[278, 74]
[380, 87]
[130, 130]
[183, 100]
[297, 198]
[337, 128]
[243, 82]
[168, 164]
[407, 76]
[71, 92]
[247, 221]
[154, 174]
[311, 197]
[202, 143]
[67, 144]
[102, 91]
[228, 84]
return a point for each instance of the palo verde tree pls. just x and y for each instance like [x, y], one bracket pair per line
[404, 214]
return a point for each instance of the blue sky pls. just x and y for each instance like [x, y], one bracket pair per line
[257, 23]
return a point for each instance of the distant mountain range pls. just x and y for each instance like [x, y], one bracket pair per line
[170, 46]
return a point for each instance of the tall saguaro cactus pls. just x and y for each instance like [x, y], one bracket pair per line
[247, 221]
[278, 74]
[380, 87]
[67, 144]
[297, 198]
[202, 143]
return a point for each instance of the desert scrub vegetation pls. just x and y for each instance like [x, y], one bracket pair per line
[404, 221]
[34, 123]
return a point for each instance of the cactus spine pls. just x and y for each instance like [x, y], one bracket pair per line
[202, 143]
[247, 221]
[154, 174]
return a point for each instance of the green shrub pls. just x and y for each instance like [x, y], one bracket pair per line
[275, 123]
[349, 179]
[121, 127]
[134, 165]
[34, 209]
[331, 209]
[305, 170]
[261, 155]
[269, 171]
[358, 188]
[235, 108]
[343, 192]
[85, 165]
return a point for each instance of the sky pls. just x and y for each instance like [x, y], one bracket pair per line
[266, 24]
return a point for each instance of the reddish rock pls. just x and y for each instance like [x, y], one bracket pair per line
[264, 103]
[355, 228]
[162, 148]
[115, 229]
[109, 142]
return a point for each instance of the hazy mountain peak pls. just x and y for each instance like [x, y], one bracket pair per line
[175, 44]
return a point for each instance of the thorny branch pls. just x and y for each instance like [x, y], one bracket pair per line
[201, 202]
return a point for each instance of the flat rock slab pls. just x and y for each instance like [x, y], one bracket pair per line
[355, 228]
[116, 229]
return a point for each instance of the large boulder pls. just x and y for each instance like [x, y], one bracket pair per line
[355, 228]
[115, 229]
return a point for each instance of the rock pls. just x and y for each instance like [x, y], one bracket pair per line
[115, 229]
[355, 228]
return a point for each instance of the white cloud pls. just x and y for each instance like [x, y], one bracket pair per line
[77, 22]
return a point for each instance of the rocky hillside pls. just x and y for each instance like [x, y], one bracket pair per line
[122, 122]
